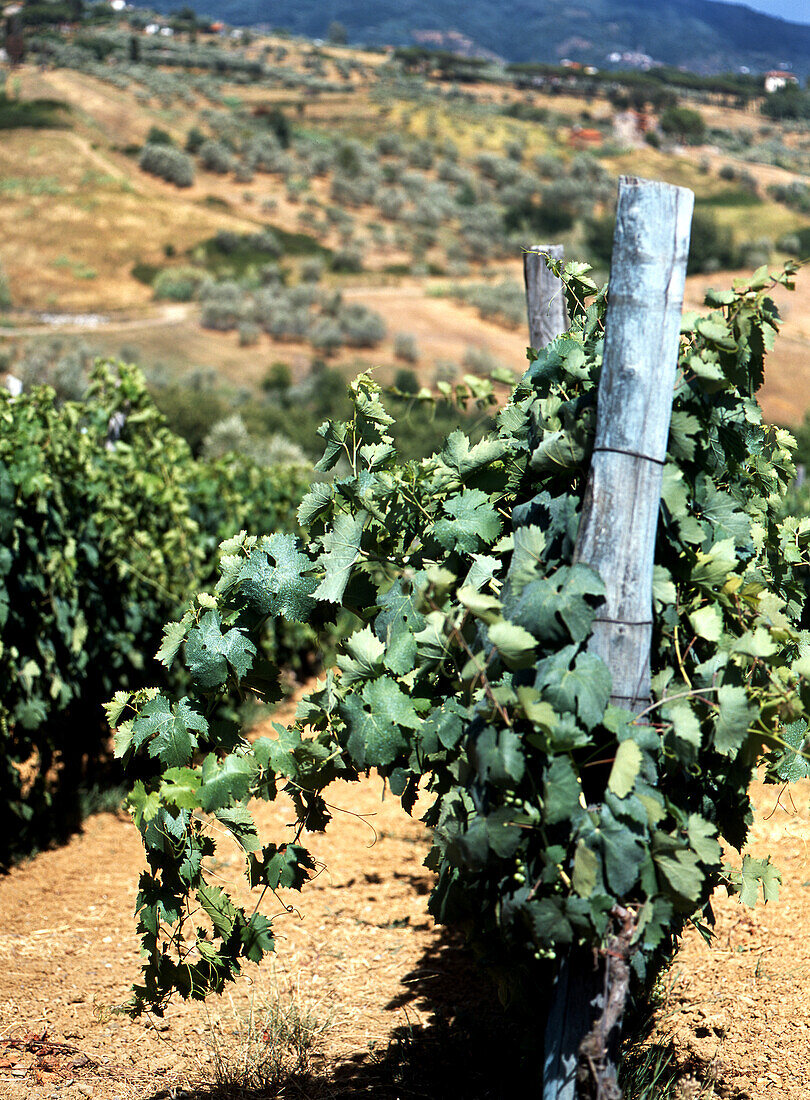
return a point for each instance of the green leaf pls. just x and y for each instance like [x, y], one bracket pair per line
[711, 570]
[733, 720]
[465, 460]
[559, 450]
[115, 708]
[561, 607]
[226, 782]
[625, 769]
[211, 652]
[683, 875]
[480, 604]
[794, 763]
[498, 756]
[276, 580]
[755, 872]
[717, 331]
[561, 791]
[474, 523]
[622, 851]
[707, 622]
[586, 868]
[334, 435]
[341, 550]
[174, 634]
[702, 839]
[315, 503]
[257, 939]
[180, 787]
[515, 645]
[363, 659]
[239, 822]
[685, 723]
[376, 735]
[582, 687]
[170, 730]
[219, 907]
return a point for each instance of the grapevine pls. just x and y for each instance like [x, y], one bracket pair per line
[468, 676]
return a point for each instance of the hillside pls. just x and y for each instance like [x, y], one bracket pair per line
[704, 35]
[341, 212]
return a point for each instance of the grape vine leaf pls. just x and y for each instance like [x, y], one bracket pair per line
[211, 652]
[225, 782]
[626, 766]
[341, 551]
[171, 730]
[474, 523]
[582, 687]
[283, 587]
[733, 720]
[376, 719]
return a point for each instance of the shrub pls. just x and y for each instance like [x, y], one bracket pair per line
[684, 124]
[326, 335]
[157, 136]
[223, 306]
[278, 377]
[194, 139]
[790, 243]
[361, 326]
[225, 437]
[347, 260]
[215, 157]
[5, 292]
[406, 381]
[405, 348]
[264, 153]
[389, 145]
[421, 154]
[712, 245]
[479, 361]
[249, 333]
[115, 548]
[179, 284]
[390, 202]
[311, 270]
[168, 164]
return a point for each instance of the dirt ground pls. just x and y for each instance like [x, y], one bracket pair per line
[398, 1004]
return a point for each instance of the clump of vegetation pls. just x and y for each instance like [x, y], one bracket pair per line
[406, 348]
[40, 114]
[121, 550]
[5, 291]
[216, 157]
[503, 302]
[167, 163]
[179, 284]
[269, 1046]
[158, 136]
[684, 124]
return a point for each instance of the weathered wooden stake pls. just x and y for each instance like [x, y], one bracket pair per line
[545, 297]
[623, 494]
[617, 537]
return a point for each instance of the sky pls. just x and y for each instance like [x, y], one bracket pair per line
[798, 11]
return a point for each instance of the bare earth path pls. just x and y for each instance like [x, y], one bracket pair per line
[363, 951]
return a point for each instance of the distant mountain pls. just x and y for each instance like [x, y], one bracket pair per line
[703, 35]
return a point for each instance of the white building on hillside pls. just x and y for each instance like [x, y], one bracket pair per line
[778, 78]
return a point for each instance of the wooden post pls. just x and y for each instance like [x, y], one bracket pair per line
[545, 297]
[617, 537]
[623, 493]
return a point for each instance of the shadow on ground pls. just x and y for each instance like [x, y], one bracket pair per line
[459, 1042]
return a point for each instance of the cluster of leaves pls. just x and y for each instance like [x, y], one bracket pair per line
[107, 525]
[468, 677]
